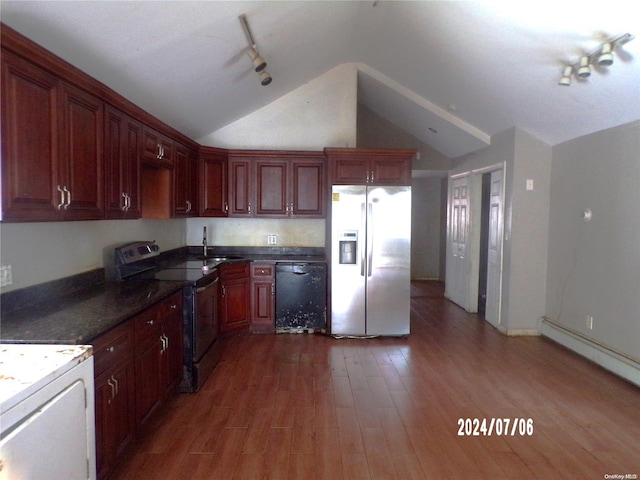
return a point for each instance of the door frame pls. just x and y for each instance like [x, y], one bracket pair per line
[470, 302]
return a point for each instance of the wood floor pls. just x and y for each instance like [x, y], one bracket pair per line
[314, 407]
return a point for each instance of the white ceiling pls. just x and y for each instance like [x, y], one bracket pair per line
[467, 70]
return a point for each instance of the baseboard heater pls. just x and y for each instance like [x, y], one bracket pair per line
[618, 363]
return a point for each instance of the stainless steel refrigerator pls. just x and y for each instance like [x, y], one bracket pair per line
[370, 260]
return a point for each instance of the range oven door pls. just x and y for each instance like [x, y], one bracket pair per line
[206, 319]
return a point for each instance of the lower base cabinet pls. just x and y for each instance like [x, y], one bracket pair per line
[235, 298]
[263, 298]
[138, 365]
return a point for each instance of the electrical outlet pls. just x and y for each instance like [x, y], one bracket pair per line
[590, 322]
[272, 239]
[6, 277]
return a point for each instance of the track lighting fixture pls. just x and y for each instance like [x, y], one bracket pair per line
[584, 70]
[565, 80]
[606, 57]
[602, 57]
[259, 63]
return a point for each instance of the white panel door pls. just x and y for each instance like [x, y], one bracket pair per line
[494, 257]
[457, 281]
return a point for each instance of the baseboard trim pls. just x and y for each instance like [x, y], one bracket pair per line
[623, 366]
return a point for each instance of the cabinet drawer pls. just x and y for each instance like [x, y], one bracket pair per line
[262, 270]
[113, 348]
[234, 270]
[147, 325]
[172, 306]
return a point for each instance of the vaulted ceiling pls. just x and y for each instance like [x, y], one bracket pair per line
[451, 73]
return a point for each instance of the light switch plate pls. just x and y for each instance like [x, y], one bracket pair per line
[6, 277]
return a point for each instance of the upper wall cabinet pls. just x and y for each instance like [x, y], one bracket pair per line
[123, 140]
[52, 141]
[157, 149]
[276, 183]
[185, 182]
[353, 166]
[213, 182]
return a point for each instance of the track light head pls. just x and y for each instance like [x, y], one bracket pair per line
[265, 78]
[606, 57]
[258, 62]
[584, 70]
[565, 80]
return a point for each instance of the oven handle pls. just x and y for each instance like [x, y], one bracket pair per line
[208, 286]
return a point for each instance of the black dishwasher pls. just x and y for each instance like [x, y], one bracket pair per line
[301, 297]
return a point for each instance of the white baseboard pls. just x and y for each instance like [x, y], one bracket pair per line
[624, 367]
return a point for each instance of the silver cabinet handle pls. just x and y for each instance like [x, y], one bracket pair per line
[115, 382]
[124, 204]
[249, 210]
[226, 207]
[128, 202]
[113, 389]
[159, 155]
[61, 197]
[68, 192]
[188, 206]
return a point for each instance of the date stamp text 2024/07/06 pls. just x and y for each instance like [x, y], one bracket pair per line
[487, 427]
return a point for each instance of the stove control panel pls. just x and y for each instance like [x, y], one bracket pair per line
[136, 251]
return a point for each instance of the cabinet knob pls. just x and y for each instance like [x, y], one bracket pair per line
[111, 349]
[174, 306]
[149, 322]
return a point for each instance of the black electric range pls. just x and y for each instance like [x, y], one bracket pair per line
[142, 261]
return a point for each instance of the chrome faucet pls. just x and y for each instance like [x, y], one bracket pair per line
[204, 241]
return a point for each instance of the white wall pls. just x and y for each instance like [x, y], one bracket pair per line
[40, 252]
[426, 228]
[594, 267]
[252, 232]
[321, 113]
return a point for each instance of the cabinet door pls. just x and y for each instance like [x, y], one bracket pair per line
[148, 378]
[157, 150]
[185, 178]
[122, 165]
[240, 185]
[390, 171]
[350, 171]
[235, 305]
[81, 143]
[271, 188]
[213, 185]
[172, 342]
[148, 364]
[115, 427]
[307, 188]
[29, 142]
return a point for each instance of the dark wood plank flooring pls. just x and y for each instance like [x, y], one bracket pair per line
[313, 407]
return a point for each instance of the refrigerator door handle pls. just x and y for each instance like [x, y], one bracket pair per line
[362, 243]
[369, 239]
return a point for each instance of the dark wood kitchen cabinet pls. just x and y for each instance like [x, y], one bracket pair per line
[240, 184]
[52, 146]
[123, 141]
[157, 149]
[352, 166]
[213, 182]
[158, 350]
[235, 297]
[276, 183]
[114, 396]
[185, 180]
[137, 366]
[263, 297]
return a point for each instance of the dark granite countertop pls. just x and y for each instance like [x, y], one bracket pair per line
[80, 316]
[77, 309]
